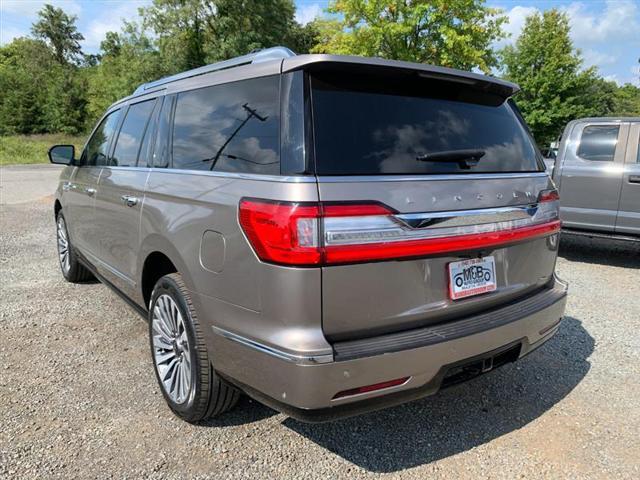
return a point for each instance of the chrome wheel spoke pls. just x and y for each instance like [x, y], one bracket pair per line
[63, 244]
[171, 350]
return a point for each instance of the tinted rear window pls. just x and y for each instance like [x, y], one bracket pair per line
[232, 127]
[385, 128]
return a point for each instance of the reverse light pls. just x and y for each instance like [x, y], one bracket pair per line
[321, 233]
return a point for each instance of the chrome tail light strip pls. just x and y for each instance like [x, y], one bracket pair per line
[357, 230]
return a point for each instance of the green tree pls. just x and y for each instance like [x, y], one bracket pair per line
[128, 59]
[39, 94]
[192, 33]
[181, 29]
[627, 101]
[452, 33]
[241, 26]
[555, 88]
[23, 63]
[59, 30]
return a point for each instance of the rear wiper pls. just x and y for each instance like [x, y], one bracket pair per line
[464, 158]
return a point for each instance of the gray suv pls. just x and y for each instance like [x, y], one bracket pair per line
[327, 234]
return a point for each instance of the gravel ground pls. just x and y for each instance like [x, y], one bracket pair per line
[78, 397]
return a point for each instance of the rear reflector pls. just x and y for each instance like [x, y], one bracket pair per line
[371, 388]
[317, 233]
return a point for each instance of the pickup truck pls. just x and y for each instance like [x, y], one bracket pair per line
[597, 172]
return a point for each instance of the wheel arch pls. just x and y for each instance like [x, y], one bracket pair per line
[57, 206]
[157, 258]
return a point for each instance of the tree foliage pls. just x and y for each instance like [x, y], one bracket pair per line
[627, 101]
[39, 94]
[555, 88]
[192, 33]
[452, 33]
[127, 59]
[59, 30]
[47, 84]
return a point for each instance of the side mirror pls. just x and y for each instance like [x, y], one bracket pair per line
[62, 154]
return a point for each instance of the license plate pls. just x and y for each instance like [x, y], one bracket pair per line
[472, 277]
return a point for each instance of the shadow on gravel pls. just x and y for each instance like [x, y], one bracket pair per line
[617, 253]
[462, 417]
[247, 411]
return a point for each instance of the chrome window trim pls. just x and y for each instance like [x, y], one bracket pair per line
[339, 179]
[274, 352]
[427, 178]
[243, 176]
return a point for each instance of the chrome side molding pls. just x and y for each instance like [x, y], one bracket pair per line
[274, 352]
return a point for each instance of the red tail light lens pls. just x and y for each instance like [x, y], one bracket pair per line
[281, 232]
[548, 196]
[313, 234]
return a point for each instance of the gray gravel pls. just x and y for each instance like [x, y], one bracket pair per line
[78, 397]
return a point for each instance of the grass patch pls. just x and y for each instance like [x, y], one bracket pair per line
[27, 149]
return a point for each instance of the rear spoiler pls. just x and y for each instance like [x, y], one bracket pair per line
[481, 82]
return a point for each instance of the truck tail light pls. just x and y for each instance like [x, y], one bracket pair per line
[321, 233]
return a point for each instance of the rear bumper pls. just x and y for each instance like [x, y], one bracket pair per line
[431, 358]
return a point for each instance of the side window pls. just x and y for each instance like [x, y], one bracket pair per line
[144, 156]
[161, 148]
[130, 136]
[97, 148]
[598, 143]
[232, 127]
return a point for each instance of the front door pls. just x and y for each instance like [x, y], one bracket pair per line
[82, 187]
[629, 212]
[120, 198]
[592, 176]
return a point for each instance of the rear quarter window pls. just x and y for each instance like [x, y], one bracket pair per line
[232, 127]
[386, 129]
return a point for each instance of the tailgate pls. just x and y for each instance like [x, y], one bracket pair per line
[365, 299]
[433, 171]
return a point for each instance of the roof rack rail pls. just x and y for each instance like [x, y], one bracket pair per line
[267, 54]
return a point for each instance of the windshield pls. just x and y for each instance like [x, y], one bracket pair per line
[411, 126]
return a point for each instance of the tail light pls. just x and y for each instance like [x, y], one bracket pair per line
[320, 233]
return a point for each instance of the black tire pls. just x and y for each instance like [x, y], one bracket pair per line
[73, 271]
[209, 395]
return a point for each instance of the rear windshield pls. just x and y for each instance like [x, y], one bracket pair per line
[404, 127]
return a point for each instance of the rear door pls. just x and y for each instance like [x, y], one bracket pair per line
[120, 196]
[628, 221]
[82, 186]
[451, 166]
[592, 171]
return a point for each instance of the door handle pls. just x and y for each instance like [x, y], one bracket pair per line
[634, 178]
[129, 200]
[90, 191]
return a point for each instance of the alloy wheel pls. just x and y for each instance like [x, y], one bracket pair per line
[171, 350]
[63, 245]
